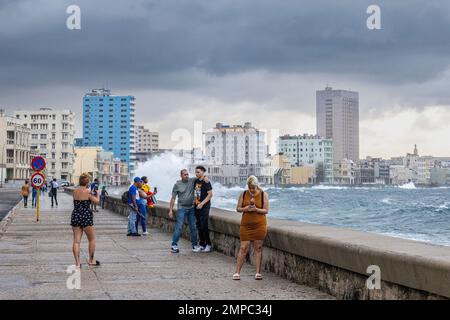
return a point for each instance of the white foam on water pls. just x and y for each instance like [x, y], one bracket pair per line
[162, 172]
[323, 187]
[409, 186]
[386, 201]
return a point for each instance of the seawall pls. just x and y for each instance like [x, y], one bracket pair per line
[333, 260]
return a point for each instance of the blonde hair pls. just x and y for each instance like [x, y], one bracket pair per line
[84, 179]
[252, 181]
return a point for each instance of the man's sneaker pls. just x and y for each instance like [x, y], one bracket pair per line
[207, 248]
[145, 233]
[135, 235]
[174, 249]
[196, 249]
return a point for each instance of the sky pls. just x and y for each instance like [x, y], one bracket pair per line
[234, 61]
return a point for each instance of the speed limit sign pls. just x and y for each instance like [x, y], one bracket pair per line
[37, 180]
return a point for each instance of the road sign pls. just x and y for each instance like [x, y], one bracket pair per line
[37, 180]
[38, 164]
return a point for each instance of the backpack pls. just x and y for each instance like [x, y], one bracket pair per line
[125, 197]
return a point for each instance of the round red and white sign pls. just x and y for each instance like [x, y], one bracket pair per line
[37, 180]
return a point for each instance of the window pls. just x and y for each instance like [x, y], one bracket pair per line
[43, 136]
[34, 126]
[34, 136]
[44, 126]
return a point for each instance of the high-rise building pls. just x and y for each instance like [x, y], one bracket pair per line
[337, 117]
[146, 140]
[52, 136]
[309, 150]
[235, 145]
[108, 121]
[15, 150]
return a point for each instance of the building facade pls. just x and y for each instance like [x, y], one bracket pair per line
[337, 118]
[235, 145]
[101, 165]
[146, 140]
[309, 150]
[108, 121]
[344, 172]
[15, 150]
[52, 137]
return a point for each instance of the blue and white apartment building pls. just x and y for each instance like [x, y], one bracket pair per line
[108, 121]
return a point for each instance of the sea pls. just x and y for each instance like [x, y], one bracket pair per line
[409, 212]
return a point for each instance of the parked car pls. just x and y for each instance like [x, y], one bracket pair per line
[64, 183]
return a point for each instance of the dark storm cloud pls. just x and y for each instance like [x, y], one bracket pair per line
[143, 44]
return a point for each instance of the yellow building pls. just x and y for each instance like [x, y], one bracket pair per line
[100, 165]
[85, 161]
[303, 175]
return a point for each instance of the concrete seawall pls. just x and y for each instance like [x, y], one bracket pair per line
[333, 260]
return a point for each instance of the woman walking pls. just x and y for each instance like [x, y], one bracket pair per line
[25, 193]
[82, 220]
[254, 204]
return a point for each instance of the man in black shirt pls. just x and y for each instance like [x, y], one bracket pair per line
[202, 197]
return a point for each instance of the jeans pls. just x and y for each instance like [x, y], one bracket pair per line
[202, 216]
[33, 200]
[132, 216]
[54, 194]
[25, 201]
[181, 214]
[102, 201]
[142, 218]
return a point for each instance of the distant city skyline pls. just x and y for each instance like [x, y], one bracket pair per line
[228, 62]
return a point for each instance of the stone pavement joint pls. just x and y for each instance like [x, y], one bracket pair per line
[34, 258]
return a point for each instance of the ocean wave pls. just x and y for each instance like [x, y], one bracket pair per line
[408, 186]
[323, 187]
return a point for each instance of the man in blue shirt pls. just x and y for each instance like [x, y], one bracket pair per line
[133, 208]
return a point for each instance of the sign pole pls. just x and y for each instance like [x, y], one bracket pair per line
[38, 180]
[38, 204]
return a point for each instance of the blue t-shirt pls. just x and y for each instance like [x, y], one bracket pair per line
[133, 190]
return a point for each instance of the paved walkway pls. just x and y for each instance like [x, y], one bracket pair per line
[34, 258]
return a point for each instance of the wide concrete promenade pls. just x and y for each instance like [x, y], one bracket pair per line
[34, 258]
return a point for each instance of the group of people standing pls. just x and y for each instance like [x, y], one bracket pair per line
[27, 189]
[194, 202]
[140, 200]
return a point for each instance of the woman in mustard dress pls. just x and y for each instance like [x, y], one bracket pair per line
[254, 205]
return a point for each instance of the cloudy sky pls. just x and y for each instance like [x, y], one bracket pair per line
[234, 61]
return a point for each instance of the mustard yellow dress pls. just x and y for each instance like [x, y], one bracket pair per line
[253, 225]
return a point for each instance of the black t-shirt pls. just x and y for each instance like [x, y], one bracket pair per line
[201, 189]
